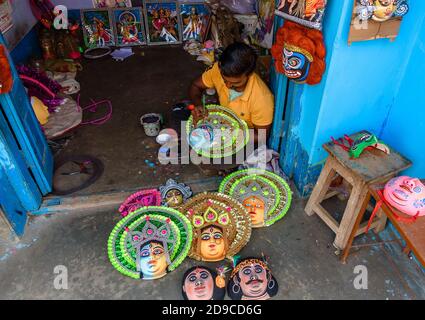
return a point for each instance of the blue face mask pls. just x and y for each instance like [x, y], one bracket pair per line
[296, 65]
[233, 94]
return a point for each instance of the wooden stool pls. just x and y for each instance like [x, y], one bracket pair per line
[373, 167]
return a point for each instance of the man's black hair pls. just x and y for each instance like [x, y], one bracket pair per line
[238, 59]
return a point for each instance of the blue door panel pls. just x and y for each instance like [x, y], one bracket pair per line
[30, 138]
[15, 169]
[10, 205]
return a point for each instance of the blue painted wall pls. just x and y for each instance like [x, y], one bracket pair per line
[405, 126]
[370, 85]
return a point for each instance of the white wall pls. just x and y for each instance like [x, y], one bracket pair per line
[74, 4]
[83, 4]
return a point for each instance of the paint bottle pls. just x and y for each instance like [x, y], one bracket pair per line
[210, 96]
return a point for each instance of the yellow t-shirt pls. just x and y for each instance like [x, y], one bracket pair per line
[255, 106]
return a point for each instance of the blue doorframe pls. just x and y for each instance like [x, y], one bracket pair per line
[26, 162]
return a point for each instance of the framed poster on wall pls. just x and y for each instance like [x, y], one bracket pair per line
[163, 24]
[308, 13]
[6, 20]
[112, 3]
[195, 17]
[129, 26]
[97, 28]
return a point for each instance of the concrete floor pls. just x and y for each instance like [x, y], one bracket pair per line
[301, 255]
[300, 248]
[152, 80]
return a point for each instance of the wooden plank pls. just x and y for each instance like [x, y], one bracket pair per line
[412, 233]
[327, 218]
[108, 200]
[347, 174]
[353, 233]
[331, 194]
[372, 166]
[351, 213]
[321, 187]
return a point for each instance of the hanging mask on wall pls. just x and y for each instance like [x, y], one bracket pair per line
[265, 195]
[381, 10]
[221, 226]
[150, 242]
[174, 194]
[299, 53]
[202, 283]
[251, 279]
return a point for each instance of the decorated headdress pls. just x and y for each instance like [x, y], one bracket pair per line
[267, 186]
[143, 198]
[299, 53]
[172, 185]
[150, 224]
[248, 262]
[242, 286]
[220, 211]
[229, 135]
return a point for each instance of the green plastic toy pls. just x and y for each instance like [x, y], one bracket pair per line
[363, 141]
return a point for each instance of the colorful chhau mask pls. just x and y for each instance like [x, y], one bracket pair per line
[407, 195]
[201, 283]
[265, 195]
[221, 226]
[150, 242]
[381, 10]
[143, 198]
[299, 53]
[224, 133]
[174, 194]
[252, 279]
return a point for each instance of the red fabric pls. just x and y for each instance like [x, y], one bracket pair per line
[6, 79]
[381, 201]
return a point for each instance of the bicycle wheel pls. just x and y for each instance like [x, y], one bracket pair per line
[75, 173]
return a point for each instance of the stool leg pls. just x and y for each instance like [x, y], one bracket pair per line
[355, 228]
[382, 221]
[351, 213]
[321, 187]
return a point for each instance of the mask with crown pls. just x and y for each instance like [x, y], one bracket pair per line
[265, 195]
[150, 242]
[221, 226]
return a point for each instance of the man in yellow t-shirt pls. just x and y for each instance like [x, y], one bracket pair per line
[238, 86]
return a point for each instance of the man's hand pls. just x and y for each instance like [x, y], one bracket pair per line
[199, 113]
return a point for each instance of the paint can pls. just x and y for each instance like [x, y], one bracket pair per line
[151, 123]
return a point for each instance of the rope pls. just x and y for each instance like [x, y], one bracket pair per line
[93, 108]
